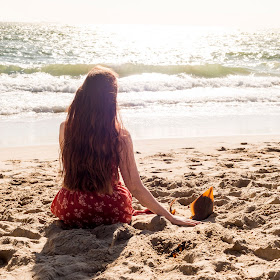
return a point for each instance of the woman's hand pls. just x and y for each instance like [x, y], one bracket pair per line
[182, 221]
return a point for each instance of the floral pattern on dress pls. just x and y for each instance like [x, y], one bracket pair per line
[64, 203]
[83, 209]
[82, 200]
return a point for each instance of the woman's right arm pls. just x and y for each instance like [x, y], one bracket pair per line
[133, 182]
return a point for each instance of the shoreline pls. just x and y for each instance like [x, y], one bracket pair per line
[29, 132]
[145, 146]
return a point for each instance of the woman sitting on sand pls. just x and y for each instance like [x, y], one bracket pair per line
[94, 146]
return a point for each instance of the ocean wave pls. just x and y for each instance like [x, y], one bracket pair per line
[35, 109]
[160, 83]
[198, 97]
[128, 69]
[29, 103]
[38, 82]
[42, 82]
[45, 103]
[247, 104]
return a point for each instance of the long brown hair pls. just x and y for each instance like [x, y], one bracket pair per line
[90, 152]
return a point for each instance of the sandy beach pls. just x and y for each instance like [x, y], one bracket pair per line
[240, 240]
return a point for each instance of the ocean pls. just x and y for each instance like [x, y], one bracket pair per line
[174, 81]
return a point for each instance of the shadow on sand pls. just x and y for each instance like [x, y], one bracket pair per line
[79, 253]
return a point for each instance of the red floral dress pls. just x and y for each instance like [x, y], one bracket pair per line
[87, 209]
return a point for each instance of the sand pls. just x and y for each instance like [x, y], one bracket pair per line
[240, 240]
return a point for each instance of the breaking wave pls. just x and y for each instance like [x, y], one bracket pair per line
[42, 82]
[128, 69]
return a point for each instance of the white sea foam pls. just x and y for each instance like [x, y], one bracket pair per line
[153, 82]
[38, 82]
[195, 101]
[44, 93]
[161, 82]
[20, 103]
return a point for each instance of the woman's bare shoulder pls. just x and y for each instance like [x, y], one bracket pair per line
[61, 132]
[125, 135]
[62, 125]
[126, 144]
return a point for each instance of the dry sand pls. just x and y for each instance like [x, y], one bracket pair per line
[239, 241]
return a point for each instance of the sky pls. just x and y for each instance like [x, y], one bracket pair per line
[233, 13]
